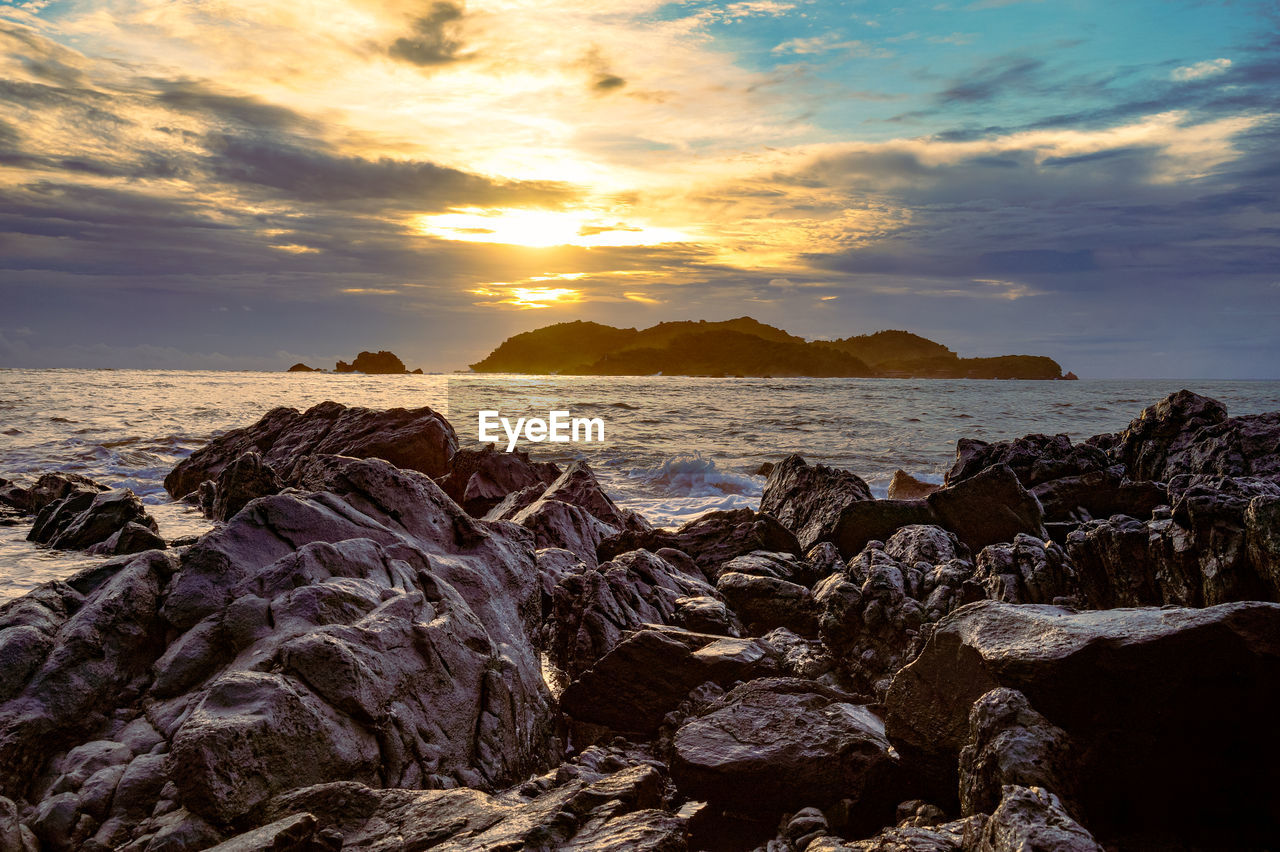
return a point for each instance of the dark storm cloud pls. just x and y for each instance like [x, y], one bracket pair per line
[434, 40]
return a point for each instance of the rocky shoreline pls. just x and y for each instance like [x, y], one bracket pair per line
[387, 642]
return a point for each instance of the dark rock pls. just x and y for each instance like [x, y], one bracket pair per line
[108, 513]
[1034, 459]
[1098, 494]
[381, 362]
[52, 487]
[1027, 570]
[650, 672]
[987, 508]
[1158, 442]
[1034, 818]
[904, 486]
[877, 520]
[765, 469]
[414, 439]
[302, 368]
[15, 496]
[705, 614]
[593, 610]
[291, 834]
[131, 538]
[1123, 684]
[711, 540]
[808, 499]
[1262, 534]
[247, 478]
[764, 603]
[956, 836]
[478, 480]
[777, 743]
[1010, 743]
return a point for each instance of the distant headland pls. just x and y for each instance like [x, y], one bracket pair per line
[380, 363]
[745, 347]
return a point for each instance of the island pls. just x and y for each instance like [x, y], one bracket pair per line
[745, 347]
[380, 363]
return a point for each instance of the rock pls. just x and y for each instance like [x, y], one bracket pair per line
[1123, 684]
[987, 508]
[291, 834]
[10, 831]
[1100, 494]
[579, 487]
[381, 362]
[478, 480]
[302, 368]
[1212, 509]
[777, 743]
[1159, 442]
[804, 658]
[55, 486]
[1027, 570]
[54, 821]
[1010, 743]
[808, 499]
[711, 540]
[877, 520]
[956, 836]
[1262, 534]
[1034, 818]
[15, 496]
[1034, 459]
[705, 614]
[414, 439]
[593, 610]
[247, 478]
[764, 603]
[904, 486]
[84, 519]
[650, 672]
[131, 538]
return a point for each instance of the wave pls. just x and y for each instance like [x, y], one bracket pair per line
[696, 476]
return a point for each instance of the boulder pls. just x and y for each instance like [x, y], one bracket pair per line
[904, 486]
[85, 518]
[650, 672]
[1124, 684]
[1099, 494]
[1034, 459]
[1027, 570]
[778, 743]
[414, 439]
[247, 478]
[1010, 743]
[957, 836]
[478, 480]
[594, 609]
[764, 603]
[877, 520]
[711, 540]
[55, 486]
[131, 538]
[1034, 818]
[1262, 536]
[987, 508]
[808, 499]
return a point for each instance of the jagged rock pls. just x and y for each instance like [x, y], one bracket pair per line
[808, 499]
[85, 518]
[10, 827]
[778, 566]
[291, 834]
[1027, 570]
[58, 485]
[131, 538]
[1122, 561]
[987, 508]
[594, 609]
[705, 614]
[904, 486]
[1034, 459]
[804, 658]
[247, 478]
[1262, 534]
[1010, 743]
[1099, 494]
[576, 807]
[877, 520]
[15, 496]
[1034, 818]
[650, 672]
[964, 834]
[414, 439]
[778, 743]
[1212, 509]
[931, 545]
[1123, 684]
[478, 480]
[711, 540]
[381, 362]
[764, 603]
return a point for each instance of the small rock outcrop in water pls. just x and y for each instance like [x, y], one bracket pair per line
[302, 368]
[382, 363]
[76, 513]
[353, 660]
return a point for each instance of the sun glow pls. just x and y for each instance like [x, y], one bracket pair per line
[527, 297]
[543, 228]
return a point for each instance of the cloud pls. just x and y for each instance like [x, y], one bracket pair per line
[434, 40]
[1200, 70]
[995, 80]
[828, 43]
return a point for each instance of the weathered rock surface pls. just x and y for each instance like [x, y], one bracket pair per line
[778, 743]
[479, 480]
[55, 486]
[85, 518]
[1123, 684]
[1027, 570]
[764, 603]
[808, 499]
[414, 439]
[247, 478]
[131, 538]
[1034, 459]
[877, 520]
[711, 540]
[904, 486]
[1034, 818]
[987, 508]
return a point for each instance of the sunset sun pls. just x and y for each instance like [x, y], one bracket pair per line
[543, 228]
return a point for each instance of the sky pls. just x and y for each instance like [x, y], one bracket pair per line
[242, 185]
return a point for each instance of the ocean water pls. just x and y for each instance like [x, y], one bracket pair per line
[674, 447]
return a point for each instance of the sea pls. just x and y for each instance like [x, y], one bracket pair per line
[674, 447]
